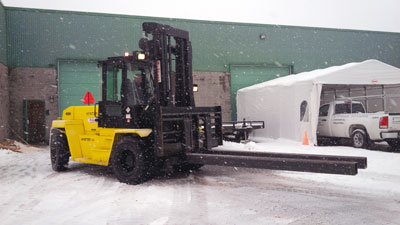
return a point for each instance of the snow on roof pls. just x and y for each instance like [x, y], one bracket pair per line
[367, 72]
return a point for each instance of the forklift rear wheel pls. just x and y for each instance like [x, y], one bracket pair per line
[128, 161]
[59, 150]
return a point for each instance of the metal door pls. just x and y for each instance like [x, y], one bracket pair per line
[34, 121]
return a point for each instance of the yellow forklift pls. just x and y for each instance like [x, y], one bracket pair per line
[147, 119]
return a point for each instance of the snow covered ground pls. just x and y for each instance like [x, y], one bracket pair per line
[31, 193]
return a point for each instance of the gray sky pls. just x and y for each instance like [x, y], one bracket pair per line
[377, 15]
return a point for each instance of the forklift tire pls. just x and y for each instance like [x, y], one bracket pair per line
[128, 161]
[59, 150]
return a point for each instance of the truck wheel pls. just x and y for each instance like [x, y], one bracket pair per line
[395, 144]
[128, 161]
[359, 139]
[59, 150]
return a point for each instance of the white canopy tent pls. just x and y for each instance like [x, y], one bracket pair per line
[278, 101]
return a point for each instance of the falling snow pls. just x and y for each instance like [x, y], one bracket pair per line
[32, 193]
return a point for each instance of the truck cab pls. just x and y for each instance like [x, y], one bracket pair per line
[332, 116]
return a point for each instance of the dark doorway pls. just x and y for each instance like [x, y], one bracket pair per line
[34, 121]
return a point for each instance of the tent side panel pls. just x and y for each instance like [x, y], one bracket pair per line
[280, 108]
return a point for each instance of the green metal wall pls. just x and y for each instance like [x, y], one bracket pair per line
[75, 78]
[37, 38]
[244, 76]
[3, 41]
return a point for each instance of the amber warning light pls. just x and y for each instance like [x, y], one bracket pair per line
[88, 98]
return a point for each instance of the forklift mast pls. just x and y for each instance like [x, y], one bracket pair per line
[171, 49]
[180, 127]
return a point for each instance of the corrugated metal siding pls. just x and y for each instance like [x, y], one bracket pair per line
[37, 38]
[3, 35]
[75, 78]
[244, 76]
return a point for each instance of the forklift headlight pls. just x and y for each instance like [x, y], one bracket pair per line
[141, 56]
[126, 53]
[195, 88]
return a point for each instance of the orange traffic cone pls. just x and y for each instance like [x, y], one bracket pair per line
[305, 138]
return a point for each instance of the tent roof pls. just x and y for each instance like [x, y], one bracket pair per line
[368, 72]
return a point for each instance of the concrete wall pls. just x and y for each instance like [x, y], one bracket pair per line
[4, 102]
[214, 90]
[4, 99]
[31, 83]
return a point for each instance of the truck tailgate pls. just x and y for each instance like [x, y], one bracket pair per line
[394, 121]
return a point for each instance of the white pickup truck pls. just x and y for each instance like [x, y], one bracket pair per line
[348, 119]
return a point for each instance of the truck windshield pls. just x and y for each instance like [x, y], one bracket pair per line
[349, 108]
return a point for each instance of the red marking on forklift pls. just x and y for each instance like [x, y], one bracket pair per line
[158, 71]
[88, 98]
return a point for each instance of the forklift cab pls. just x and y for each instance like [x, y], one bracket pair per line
[127, 92]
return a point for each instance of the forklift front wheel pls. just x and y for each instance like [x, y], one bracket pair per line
[59, 150]
[128, 161]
